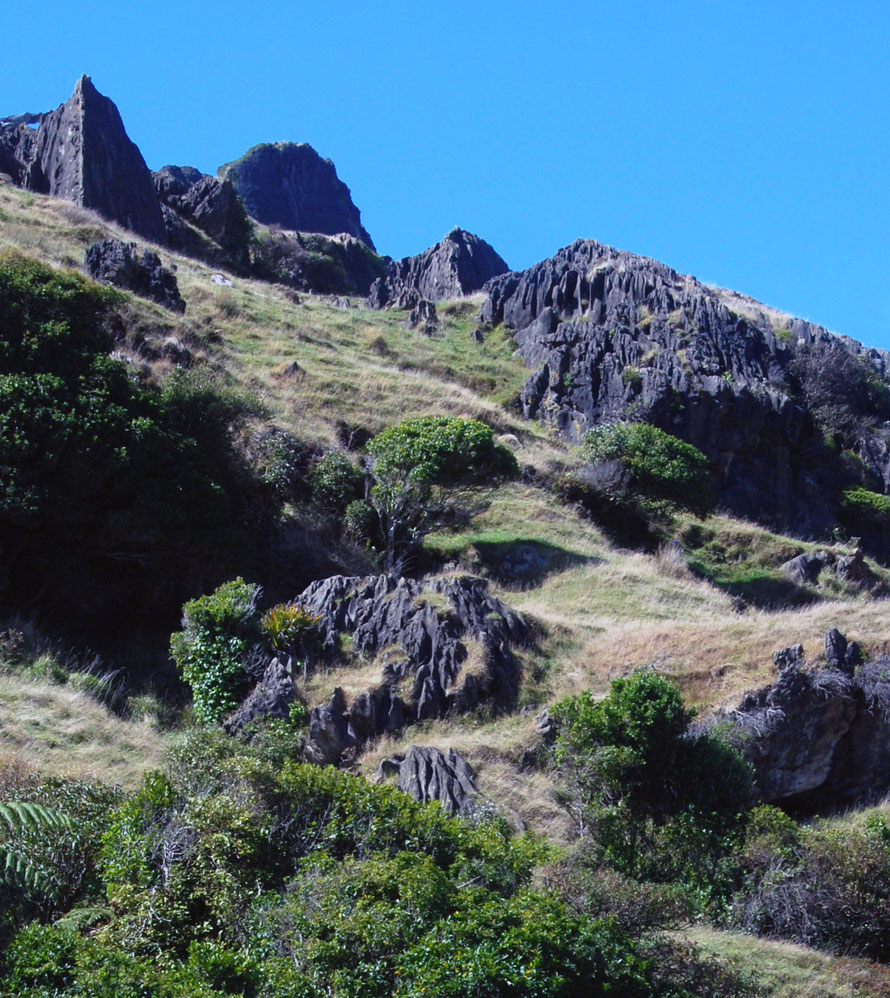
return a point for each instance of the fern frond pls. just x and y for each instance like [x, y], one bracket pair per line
[22, 816]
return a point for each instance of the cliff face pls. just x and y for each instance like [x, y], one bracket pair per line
[290, 185]
[615, 336]
[458, 265]
[81, 152]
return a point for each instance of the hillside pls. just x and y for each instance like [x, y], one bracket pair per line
[538, 573]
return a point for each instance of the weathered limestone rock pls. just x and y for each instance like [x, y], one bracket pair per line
[111, 261]
[614, 336]
[81, 152]
[821, 738]
[209, 204]
[289, 184]
[428, 774]
[424, 628]
[329, 735]
[271, 697]
[458, 265]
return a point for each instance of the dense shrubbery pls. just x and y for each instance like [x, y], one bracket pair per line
[656, 465]
[238, 873]
[225, 642]
[658, 802]
[108, 490]
[335, 481]
[824, 885]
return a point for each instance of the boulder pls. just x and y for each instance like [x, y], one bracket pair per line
[329, 735]
[806, 568]
[290, 185]
[429, 774]
[423, 317]
[111, 261]
[81, 152]
[458, 265]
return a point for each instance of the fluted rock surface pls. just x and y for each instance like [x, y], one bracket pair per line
[458, 265]
[81, 152]
[289, 184]
[615, 336]
[429, 774]
[820, 738]
[429, 622]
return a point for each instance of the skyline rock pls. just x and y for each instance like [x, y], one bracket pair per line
[81, 152]
[289, 184]
[460, 264]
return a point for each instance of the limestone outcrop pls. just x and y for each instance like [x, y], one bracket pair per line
[290, 185]
[210, 205]
[458, 265]
[429, 774]
[819, 738]
[421, 632]
[81, 152]
[613, 336]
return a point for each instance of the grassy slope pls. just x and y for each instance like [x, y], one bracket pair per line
[599, 611]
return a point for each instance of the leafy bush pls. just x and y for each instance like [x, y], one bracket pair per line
[211, 650]
[335, 481]
[288, 628]
[657, 801]
[869, 505]
[660, 466]
[105, 494]
[413, 465]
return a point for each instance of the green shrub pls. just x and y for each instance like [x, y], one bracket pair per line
[871, 505]
[211, 650]
[657, 802]
[288, 628]
[660, 466]
[108, 488]
[335, 481]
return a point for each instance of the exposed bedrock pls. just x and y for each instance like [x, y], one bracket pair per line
[289, 184]
[445, 646]
[111, 261]
[615, 336]
[820, 738]
[458, 265]
[81, 152]
[210, 205]
[429, 774]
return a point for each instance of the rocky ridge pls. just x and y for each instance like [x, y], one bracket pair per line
[458, 265]
[614, 336]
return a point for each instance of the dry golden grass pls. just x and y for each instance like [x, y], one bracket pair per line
[492, 748]
[61, 731]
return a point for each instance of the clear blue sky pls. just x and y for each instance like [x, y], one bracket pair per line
[745, 143]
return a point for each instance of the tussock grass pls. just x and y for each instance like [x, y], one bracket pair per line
[62, 731]
[787, 970]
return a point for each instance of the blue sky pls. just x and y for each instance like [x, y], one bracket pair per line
[745, 143]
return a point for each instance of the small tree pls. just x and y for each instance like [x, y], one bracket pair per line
[417, 463]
